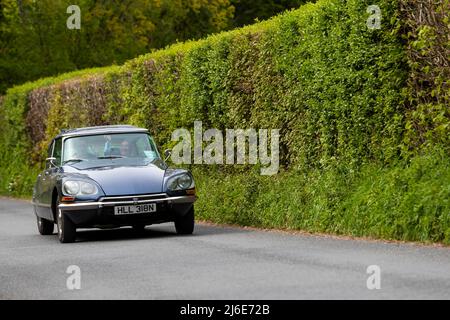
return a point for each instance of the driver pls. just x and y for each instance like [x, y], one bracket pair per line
[125, 149]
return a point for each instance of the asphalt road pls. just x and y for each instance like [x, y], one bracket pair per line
[214, 263]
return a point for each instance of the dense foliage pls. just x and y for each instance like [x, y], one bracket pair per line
[247, 11]
[427, 30]
[35, 42]
[342, 94]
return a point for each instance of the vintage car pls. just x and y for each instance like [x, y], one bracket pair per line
[109, 177]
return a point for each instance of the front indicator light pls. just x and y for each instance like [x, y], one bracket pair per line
[190, 192]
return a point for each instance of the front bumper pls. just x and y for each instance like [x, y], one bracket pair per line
[117, 201]
[101, 212]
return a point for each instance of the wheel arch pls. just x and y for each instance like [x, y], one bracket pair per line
[55, 195]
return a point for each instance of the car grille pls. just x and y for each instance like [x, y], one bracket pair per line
[134, 198]
[162, 206]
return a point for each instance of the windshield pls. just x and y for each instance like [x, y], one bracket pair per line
[139, 146]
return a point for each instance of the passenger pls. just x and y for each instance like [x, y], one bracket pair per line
[125, 150]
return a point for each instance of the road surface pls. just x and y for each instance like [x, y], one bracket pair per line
[214, 263]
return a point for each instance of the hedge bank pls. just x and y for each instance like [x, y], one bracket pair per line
[363, 115]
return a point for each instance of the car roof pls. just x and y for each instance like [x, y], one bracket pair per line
[87, 131]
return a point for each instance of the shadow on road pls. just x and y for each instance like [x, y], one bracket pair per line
[121, 234]
[150, 232]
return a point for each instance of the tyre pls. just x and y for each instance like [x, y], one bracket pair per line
[45, 226]
[139, 228]
[66, 228]
[185, 224]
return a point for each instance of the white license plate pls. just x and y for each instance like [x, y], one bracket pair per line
[137, 209]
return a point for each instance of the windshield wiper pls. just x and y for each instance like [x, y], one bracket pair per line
[110, 157]
[73, 160]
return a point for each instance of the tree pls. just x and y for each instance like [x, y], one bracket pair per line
[246, 11]
[35, 42]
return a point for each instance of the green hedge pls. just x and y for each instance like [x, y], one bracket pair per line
[403, 202]
[340, 93]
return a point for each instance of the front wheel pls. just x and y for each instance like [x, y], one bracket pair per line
[66, 228]
[185, 224]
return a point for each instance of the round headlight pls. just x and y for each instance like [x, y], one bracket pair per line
[184, 181]
[71, 187]
[88, 188]
[173, 185]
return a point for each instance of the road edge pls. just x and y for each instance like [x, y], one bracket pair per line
[295, 232]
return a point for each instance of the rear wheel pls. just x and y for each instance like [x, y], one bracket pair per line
[185, 224]
[45, 226]
[66, 228]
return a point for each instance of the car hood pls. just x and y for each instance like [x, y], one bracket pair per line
[125, 180]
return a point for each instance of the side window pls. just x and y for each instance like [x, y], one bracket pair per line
[57, 151]
[50, 149]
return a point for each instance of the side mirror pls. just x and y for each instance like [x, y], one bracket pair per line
[167, 154]
[51, 161]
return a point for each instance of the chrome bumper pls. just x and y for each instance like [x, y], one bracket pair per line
[102, 204]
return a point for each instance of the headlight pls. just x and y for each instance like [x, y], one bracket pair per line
[71, 188]
[181, 182]
[88, 188]
[185, 181]
[74, 188]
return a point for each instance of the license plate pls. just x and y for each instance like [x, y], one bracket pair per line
[137, 209]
